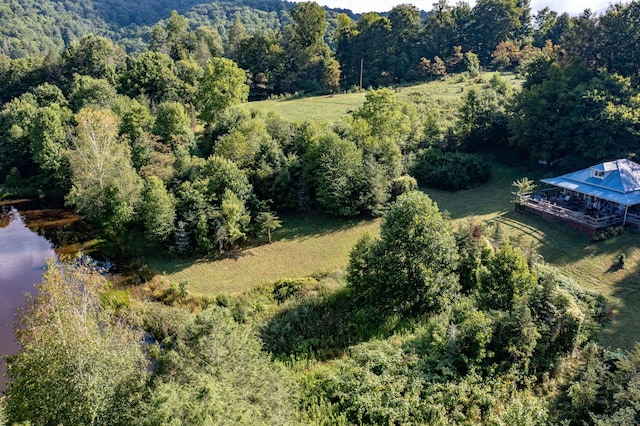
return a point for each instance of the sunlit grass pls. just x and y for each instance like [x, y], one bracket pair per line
[303, 246]
[316, 244]
[442, 97]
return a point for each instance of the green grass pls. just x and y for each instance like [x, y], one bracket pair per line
[442, 97]
[315, 244]
[303, 246]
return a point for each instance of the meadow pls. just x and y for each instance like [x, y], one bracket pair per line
[442, 96]
[318, 244]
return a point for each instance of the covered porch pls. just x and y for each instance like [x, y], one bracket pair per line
[587, 213]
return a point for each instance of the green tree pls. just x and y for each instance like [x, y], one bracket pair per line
[209, 44]
[383, 112]
[16, 120]
[237, 33]
[173, 124]
[523, 186]
[335, 167]
[261, 54]
[152, 74]
[135, 122]
[233, 216]
[308, 56]
[105, 186]
[178, 40]
[93, 56]
[579, 106]
[78, 363]
[216, 372]
[158, 210]
[508, 279]
[410, 268]
[308, 25]
[49, 140]
[222, 85]
[495, 21]
[88, 91]
[269, 221]
[482, 119]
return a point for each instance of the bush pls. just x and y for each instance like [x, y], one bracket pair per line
[115, 300]
[450, 170]
[610, 232]
[403, 184]
[290, 287]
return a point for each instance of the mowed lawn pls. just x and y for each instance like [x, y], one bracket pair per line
[318, 244]
[305, 245]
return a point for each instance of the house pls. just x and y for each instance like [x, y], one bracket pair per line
[592, 199]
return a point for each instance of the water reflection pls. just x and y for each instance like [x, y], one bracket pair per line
[30, 233]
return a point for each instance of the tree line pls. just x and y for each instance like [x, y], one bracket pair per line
[158, 141]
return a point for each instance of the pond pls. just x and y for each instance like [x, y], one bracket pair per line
[30, 233]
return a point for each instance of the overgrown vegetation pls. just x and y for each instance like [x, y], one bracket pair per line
[480, 355]
[149, 139]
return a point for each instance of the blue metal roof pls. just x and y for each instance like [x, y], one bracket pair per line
[620, 183]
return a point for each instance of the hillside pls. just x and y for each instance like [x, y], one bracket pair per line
[29, 27]
[442, 97]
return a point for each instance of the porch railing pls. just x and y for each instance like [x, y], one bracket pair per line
[537, 202]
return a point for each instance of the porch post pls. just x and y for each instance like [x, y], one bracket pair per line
[624, 221]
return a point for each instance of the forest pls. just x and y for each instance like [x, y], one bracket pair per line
[137, 117]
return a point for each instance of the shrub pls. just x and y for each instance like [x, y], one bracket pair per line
[450, 170]
[610, 232]
[115, 299]
[403, 184]
[223, 300]
[290, 287]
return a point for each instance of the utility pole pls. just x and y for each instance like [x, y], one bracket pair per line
[361, 71]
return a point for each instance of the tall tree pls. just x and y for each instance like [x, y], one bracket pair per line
[78, 363]
[308, 54]
[158, 208]
[620, 28]
[179, 41]
[410, 268]
[222, 85]
[97, 57]
[105, 186]
[152, 74]
[495, 21]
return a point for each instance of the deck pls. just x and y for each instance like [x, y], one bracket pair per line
[572, 213]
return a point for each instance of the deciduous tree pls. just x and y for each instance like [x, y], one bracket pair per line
[222, 85]
[105, 186]
[410, 268]
[78, 364]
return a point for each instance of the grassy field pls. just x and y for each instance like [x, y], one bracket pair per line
[303, 246]
[315, 244]
[442, 97]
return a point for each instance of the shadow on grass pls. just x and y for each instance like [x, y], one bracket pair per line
[559, 244]
[622, 331]
[294, 227]
[314, 225]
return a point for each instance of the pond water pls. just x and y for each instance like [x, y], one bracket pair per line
[30, 233]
